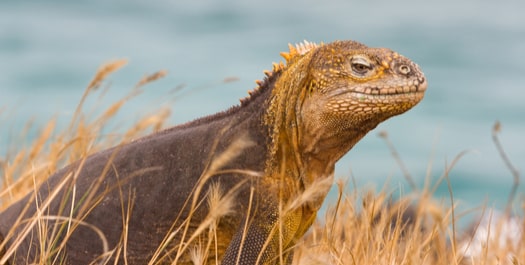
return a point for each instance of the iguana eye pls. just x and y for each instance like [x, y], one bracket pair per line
[360, 65]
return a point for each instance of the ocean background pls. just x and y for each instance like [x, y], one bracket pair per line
[472, 52]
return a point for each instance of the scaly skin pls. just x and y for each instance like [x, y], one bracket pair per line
[296, 125]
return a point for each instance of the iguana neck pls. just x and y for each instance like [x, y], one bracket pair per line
[288, 159]
[303, 157]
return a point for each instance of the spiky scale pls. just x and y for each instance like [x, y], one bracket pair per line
[286, 56]
[275, 67]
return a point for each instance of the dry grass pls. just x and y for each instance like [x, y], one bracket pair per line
[53, 149]
[364, 227]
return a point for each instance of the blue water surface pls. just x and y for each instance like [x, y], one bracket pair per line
[472, 52]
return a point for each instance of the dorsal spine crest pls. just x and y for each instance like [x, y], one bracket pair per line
[295, 51]
[298, 50]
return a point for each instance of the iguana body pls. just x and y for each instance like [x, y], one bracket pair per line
[153, 195]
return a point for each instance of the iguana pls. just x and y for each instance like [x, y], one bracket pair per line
[238, 187]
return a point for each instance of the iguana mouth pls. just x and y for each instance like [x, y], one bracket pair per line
[412, 87]
[418, 86]
[395, 98]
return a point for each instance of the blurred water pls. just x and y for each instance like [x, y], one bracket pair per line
[471, 51]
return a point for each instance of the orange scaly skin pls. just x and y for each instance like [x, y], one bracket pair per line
[300, 121]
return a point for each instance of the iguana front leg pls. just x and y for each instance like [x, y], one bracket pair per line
[264, 237]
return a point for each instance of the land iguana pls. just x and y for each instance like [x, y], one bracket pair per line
[238, 187]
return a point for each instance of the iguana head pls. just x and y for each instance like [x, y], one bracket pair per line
[330, 95]
[352, 87]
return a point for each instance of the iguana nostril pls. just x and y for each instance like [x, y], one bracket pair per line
[404, 69]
